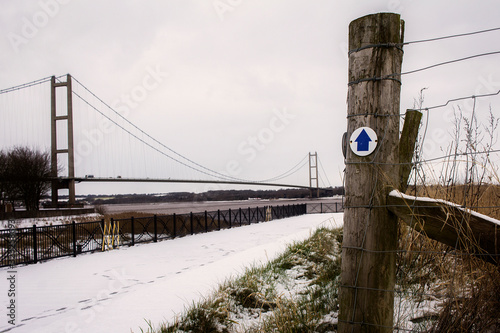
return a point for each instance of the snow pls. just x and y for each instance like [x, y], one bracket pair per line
[47, 221]
[397, 194]
[119, 290]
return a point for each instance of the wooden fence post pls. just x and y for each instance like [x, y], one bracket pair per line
[407, 146]
[366, 294]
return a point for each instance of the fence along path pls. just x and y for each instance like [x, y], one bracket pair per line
[34, 244]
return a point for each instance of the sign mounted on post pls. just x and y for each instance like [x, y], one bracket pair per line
[363, 141]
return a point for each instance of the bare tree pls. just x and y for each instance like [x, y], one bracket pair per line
[25, 175]
[3, 169]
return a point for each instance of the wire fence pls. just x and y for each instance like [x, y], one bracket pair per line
[449, 282]
[446, 283]
[325, 207]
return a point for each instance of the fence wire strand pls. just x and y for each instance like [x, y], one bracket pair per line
[435, 281]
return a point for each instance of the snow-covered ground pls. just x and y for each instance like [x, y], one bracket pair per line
[47, 221]
[117, 291]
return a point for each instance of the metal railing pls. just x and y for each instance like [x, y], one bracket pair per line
[34, 244]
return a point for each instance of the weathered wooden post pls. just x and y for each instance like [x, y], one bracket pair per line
[407, 146]
[370, 230]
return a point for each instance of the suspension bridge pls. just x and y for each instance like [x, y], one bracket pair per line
[92, 141]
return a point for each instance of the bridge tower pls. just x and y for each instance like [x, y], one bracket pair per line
[313, 173]
[68, 183]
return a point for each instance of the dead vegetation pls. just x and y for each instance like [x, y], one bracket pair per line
[463, 288]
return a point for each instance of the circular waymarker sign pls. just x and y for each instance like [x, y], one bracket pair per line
[363, 141]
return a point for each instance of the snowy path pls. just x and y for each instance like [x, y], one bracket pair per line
[116, 291]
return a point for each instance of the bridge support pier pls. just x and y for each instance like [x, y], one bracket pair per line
[313, 174]
[69, 183]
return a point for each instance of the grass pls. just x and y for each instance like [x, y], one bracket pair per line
[461, 291]
[464, 289]
[438, 291]
[482, 198]
[298, 291]
[293, 293]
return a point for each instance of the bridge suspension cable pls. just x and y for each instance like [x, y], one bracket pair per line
[25, 85]
[324, 172]
[132, 131]
[201, 168]
[179, 158]
[303, 162]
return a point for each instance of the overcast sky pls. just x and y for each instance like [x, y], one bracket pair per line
[245, 87]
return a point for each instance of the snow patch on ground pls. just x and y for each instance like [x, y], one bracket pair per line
[119, 290]
[47, 221]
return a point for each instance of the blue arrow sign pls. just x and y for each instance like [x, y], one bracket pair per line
[363, 140]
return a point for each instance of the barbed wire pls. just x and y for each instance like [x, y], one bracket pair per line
[393, 76]
[400, 45]
[425, 161]
[457, 100]
[450, 36]
[448, 62]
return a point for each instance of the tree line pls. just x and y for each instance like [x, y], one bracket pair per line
[216, 195]
[24, 174]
